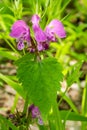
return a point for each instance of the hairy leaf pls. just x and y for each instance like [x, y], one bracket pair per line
[41, 79]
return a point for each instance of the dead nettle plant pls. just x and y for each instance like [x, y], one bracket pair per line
[39, 75]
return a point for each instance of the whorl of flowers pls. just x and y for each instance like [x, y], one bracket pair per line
[42, 38]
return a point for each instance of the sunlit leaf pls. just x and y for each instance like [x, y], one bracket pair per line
[41, 79]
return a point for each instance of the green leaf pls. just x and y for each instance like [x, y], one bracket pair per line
[72, 116]
[69, 101]
[84, 105]
[74, 73]
[8, 54]
[79, 56]
[84, 99]
[6, 124]
[41, 79]
[13, 84]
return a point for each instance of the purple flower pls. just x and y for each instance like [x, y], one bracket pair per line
[41, 39]
[40, 121]
[20, 45]
[42, 46]
[40, 35]
[35, 19]
[55, 29]
[34, 110]
[21, 32]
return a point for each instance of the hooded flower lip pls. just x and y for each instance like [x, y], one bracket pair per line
[35, 19]
[53, 29]
[20, 29]
[21, 32]
[40, 35]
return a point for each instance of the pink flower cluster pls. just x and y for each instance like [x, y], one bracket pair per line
[42, 38]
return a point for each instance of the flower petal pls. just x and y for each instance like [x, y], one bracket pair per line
[19, 28]
[18, 23]
[35, 112]
[55, 27]
[40, 47]
[17, 32]
[40, 121]
[20, 45]
[27, 35]
[35, 19]
[40, 35]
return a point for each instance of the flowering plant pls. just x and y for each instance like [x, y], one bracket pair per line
[43, 61]
[39, 75]
[42, 39]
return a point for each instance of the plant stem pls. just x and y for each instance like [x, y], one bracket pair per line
[62, 96]
[64, 121]
[26, 104]
[15, 103]
[24, 51]
[58, 121]
[12, 46]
